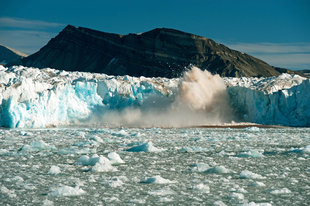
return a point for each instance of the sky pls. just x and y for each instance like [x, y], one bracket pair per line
[276, 31]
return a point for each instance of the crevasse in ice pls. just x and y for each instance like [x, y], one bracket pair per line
[32, 97]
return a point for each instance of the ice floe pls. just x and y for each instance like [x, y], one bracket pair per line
[54, 170]
[156, 180]
[145, 147]
[67, 191]
[246, 174]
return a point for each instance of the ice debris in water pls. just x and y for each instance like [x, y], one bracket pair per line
[305, 149]
[280, 191]
[6, 191]
[202, 188]
[251, 153]
[199, 167]
[218, 169]
[257, 184]
[161, 192]
[54, 170]
[145, 147]
[219, 203]
[246, 174]
[103, 165]
[236, 196]
[85, 160]
[114, 182]
[98, 163]
[96, 139]
[37, 146]
[257, 204]
[194, 149]
[156, 180]
[47, 202]
[115, 158]
[67, 191]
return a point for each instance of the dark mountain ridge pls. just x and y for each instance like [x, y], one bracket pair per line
[160, 52]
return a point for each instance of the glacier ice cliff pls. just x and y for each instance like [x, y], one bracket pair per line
[32, 98]
[280, 100]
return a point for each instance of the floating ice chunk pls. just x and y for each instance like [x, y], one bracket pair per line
[9, 193]
[145, 147]
[114, 182]
[110, 199]
[47, 202]
[54, 170]
[280, 191]
[161, 192]
[202, 188]
[253, 129]
[88, 161]
[96, 139]
[77, 151]
[251, 153]
[156, 180]
[236, 196]
[4, 152]
[165, 199]
[219, 203]
[17, 179]
[305, 149]
[199, 167]
[103, 165]
[115, 158]
[83, 160]
[218, 169]
[194, 149]
[37, 146]
[121, 133]
[257, 184]
[67, 191]
[89, 143]
[257, 204]
[246, 174]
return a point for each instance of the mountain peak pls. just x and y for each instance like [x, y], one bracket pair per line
[161, 52]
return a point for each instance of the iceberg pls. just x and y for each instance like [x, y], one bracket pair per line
[38, 98]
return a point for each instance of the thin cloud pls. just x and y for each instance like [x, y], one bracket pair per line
[26, 41]
[291, 61]
[288, 55]
[27, 24]
[298, 47]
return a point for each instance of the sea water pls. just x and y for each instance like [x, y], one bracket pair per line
[155, 166]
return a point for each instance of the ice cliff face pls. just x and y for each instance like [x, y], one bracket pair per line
[283, 100]
[31, 97]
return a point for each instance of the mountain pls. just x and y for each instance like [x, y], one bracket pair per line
[157, 53]
[9, 55]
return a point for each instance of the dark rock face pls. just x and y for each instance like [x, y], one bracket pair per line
[8, 55]
[156, 53]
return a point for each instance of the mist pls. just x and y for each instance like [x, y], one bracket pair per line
[201, 100]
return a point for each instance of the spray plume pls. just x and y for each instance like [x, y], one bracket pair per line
[202, 100]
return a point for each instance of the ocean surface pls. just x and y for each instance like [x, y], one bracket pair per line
[133, 166]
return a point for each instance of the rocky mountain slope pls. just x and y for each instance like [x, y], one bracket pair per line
[8, 55]
[157, 53]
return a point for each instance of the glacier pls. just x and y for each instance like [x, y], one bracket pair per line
[38, 98]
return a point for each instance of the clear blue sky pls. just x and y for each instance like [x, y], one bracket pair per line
[278, 31]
